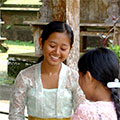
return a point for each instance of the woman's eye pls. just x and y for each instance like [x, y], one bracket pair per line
[63, 49]
[52, 46]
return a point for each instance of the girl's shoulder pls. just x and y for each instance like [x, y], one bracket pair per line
[92, 106]
[91, 110]
[84, 112]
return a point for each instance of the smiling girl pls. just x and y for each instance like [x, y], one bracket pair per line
[50, 88]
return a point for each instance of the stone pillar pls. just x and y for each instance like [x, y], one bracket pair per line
[58, 10]
[36, 30]
[73, 19]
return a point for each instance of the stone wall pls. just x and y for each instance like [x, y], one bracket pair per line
[93, 10]
[14, 29]
[90, 11]
[5, 91]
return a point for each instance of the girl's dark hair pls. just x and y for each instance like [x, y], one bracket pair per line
[56, 26]
[103, 65]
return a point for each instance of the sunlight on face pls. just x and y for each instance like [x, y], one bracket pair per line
[56, 48]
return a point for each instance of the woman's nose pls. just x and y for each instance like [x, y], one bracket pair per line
[57, 50]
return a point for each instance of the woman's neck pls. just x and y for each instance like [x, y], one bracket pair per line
[49, 69]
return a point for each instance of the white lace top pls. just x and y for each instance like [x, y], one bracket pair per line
[45, 103]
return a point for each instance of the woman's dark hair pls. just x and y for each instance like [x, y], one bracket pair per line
[103, 65]
[56, 26]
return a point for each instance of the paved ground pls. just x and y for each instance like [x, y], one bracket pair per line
[3, 117]
[3, 65]
[4, 104]
[4, 109]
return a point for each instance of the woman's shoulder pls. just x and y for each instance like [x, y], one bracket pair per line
[69, 69]
[29, 72]
[27, 75]
[30, 69]
[71, 77]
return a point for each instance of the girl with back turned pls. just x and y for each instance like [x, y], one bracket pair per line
[98, 70]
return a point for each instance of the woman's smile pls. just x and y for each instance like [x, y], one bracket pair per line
[54, 58]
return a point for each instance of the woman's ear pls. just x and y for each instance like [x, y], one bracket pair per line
[40, 42]
[88, 76]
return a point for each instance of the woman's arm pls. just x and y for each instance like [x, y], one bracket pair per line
[78, 95]
[18, 99]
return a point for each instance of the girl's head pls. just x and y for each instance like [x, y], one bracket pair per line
[56, 41]
[57, 26]
[101, 66]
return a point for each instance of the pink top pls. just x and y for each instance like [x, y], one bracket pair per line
[99, 110]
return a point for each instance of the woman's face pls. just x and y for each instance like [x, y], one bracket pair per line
[56, 48]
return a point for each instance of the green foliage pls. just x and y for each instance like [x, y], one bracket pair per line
[5, 79]
[8, 27]
[19, 43]
[3, 48]
[116, 50]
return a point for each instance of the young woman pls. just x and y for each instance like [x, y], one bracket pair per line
[49, 89]
[99, 69]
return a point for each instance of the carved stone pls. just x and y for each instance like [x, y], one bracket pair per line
[113, 12]
[45, 12]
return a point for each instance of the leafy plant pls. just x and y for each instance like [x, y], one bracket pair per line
[8, 27]
[116, 50]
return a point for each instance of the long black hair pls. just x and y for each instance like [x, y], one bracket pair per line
[56, 26]
[103, 65]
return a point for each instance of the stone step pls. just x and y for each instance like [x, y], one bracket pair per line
[5, 91]
[2, 22]
[2, 38]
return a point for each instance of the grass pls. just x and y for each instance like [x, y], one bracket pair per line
[19, 43]
[14, 47]
[5, 79]
[17, 47]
